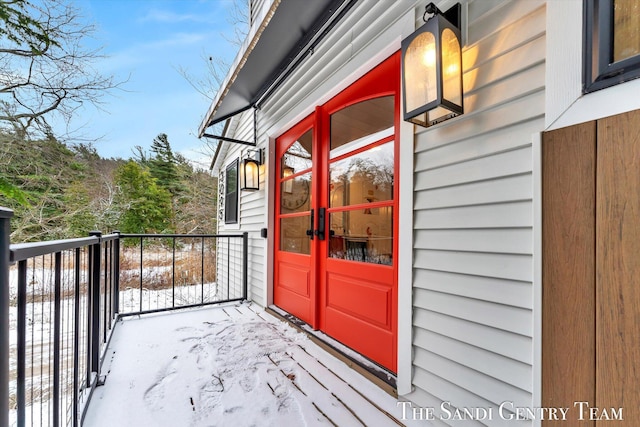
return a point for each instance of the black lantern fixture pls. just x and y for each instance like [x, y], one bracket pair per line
[287, 171]
[251, 170]
[432, 68]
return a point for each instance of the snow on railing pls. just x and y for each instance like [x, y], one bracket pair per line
[61, 300]
[60, 314]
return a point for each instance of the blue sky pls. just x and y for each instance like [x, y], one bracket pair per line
[146, 42]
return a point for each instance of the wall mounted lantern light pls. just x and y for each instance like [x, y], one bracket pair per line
[251, 170]
[432, 68]
[287, 171]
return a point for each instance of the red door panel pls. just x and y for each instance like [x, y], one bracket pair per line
[346, 283]
[295, 286]
[368, 297]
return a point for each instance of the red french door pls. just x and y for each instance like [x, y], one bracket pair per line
[337, 193]
[295, 287]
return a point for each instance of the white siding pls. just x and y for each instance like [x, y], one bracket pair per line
[252, 215]
[472, 311]
[255, 6]
[473, 219]
[229, 267]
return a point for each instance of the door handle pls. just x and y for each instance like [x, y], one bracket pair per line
[321, 223]
[310, 231]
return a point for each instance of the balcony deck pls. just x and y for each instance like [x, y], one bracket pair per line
[234, 365]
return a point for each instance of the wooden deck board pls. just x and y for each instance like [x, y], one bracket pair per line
[180, 368]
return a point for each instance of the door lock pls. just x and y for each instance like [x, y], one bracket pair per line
[310, 231]
[321, 223]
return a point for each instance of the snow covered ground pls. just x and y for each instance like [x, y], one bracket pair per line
[229, 366]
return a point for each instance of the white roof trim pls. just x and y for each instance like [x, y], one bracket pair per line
[250, 42]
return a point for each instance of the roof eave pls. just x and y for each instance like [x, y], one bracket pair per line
[247, 47]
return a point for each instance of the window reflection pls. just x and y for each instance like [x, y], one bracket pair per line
[626, 29]
[362, 235]
[295, 194]
[293, 234]
[362, 178]
[298, 156]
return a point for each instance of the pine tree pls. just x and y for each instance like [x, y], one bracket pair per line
[163, 165]
[144, 206]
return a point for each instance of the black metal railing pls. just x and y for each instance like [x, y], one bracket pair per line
[58, 288]
[160, 272]
[61, 300]
[5, 335]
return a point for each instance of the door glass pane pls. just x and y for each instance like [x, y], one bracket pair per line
[626, 29]
[293, 234]
[362, 235]
[360, 120]
[365, 177]
[295, 194]
[298, 156]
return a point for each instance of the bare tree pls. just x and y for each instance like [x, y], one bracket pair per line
[45, 68]
[240, 22]
[208, 81]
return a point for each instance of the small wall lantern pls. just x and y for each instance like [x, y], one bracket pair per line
[287, 171]
[251, 170]
[432, 68]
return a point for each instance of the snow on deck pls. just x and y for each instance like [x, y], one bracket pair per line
[229, 366]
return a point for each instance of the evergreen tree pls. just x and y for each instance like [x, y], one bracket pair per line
[80, 218]
[59, 191]
[144, 206]
[163, 165]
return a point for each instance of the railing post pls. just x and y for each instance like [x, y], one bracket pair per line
[141, 269]
[94, 290]
[76, 335]
[202, 271]
[116, 274]
[106, 322]
[56, 337]
[245, 264]
[5, 232]
[173, 275]
[21, 401]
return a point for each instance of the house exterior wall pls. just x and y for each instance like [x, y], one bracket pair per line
[565, 104]
[473, 221]
[251, 216]
[466, 265]
[255, 6]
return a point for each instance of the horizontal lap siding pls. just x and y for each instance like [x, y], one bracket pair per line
[368, 28]
[252, 215]
[229, 268]
[255, 7]
[473, 219]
